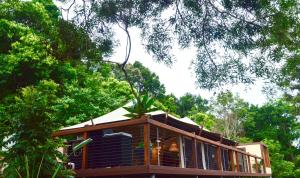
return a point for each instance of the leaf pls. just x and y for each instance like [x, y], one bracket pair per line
[82, 144]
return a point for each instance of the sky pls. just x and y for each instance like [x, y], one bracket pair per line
[180, 78]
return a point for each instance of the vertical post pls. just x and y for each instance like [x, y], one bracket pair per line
[84, 152]
[203, 156]
[158, 146]
[147, 144]
[237, 162]
[262, 148]
[219, 158]
[231, 160]
[194, 153]
[181, 152]
[256, 165]
[249, 164]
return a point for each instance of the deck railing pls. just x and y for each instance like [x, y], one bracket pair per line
[147, 142]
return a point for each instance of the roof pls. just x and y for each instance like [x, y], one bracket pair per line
[119, 115]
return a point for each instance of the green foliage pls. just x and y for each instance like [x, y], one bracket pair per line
[274, 121]
[241, 29]
[140, 107]
[188, 104]
[281, 168]
[206, 120]
[143, 79]
[29, 119]
[44, 85]
[230, 111]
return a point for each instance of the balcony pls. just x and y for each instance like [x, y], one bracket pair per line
[152, 147]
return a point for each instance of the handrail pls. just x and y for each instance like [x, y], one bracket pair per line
[185, 133]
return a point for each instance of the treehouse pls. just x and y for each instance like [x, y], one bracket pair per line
[159, 145]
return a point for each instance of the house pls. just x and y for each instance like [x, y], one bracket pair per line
[159, 145]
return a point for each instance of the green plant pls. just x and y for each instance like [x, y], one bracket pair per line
[142, 105]
[30, 173]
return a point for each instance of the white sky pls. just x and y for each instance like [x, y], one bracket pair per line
[180, 78]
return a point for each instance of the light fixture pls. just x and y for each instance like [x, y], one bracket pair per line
[173, 147]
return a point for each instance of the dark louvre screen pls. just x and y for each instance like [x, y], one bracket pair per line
[225, 159]
[188, 153]
[210, 157]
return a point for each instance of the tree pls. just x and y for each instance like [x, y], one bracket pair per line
[281, 168]
[143, 79]
[242, 29]
[205, 120]
[189, 103]
[28, 122]
[274, 121]
[45, 85]
[230, 112]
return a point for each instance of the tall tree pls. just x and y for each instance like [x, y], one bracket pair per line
[274, 121]
[241, 29]
[190, 103]
[45, 85]
[230, 111]
[143, 79]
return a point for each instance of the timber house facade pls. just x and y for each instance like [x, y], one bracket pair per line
[159, 145]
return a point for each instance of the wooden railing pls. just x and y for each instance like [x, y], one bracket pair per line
[155, 147]
[237, 159]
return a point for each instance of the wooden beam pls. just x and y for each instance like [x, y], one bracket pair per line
[165, 170]
[100, 127]
[191, 135]
[113, 171]
[249, 164]
[147, 144]
[256, 165]
[263, 157]
[237, 162]
[84, 164]
[194, 154]
[231, 158]
[153, 169]
[219, 158]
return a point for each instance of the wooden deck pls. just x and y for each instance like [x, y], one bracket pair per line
[151, 165]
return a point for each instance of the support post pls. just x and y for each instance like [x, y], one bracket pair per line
[256, 165]
[219, 158]
[249, 164]
[237, 162]
[147, 144]
[194, 153]
[231, 160]
[181, 152]
[84, 152]
[263, 156]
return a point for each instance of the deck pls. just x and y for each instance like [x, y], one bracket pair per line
[147, 146]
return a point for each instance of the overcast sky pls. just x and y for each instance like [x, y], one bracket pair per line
[179, 78]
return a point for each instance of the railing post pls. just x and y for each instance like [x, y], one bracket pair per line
[219, 158]
[194, 152]
[84, 152]
[147, 144]
[256, 165]
[237, 162]
[231, 160]
[249, 164]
